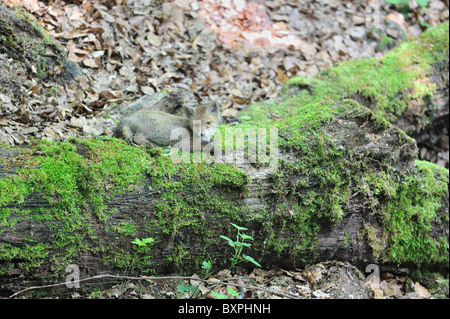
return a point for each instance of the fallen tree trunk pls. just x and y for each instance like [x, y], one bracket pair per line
[341, 183]
[353, 192]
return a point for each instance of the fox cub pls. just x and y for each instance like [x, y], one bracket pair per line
[146, 127]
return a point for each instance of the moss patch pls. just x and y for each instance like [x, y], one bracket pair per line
[326, 176]
[390, 82]
[75, 180]
[409, 216]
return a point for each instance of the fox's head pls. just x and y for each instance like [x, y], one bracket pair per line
[205, 120]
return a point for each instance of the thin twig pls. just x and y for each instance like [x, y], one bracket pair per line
[156, 278]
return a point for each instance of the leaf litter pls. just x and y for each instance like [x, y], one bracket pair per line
[235, 52]
[326, 280]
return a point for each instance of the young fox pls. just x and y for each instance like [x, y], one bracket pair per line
[148, 126]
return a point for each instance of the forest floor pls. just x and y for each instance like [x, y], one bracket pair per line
[235, 52]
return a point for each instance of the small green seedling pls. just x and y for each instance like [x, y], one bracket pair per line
[239, 245]
[143, 242]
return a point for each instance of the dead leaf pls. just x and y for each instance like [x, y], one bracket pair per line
[308, 49]
[281, 76]
[4, 98]
[34, 89]
[230, 113]
[153, 39]
[50, 51]
[92, 63]
[31, 5]
[378, 293]
[398, 18]
[236, 92]
[107, 95]
[148, 90]
[421, 291]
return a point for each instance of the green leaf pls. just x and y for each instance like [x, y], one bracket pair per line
[397, 1]
[250, 259]
[238, 227]
[143, 242]
[206, 265]
[424, 24]
[245, 118]
[245, 237]
[219, 296]
[233, 292]
[230, 242]
[148, 240]
[422, 3]
[138, 242]
[185, 289]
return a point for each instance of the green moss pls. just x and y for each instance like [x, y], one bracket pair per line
[325, 177]
[377, 243]
[75, 178]
[27, 257]
[389, 82]
[77, 181]
[127, 229]
[13, 190]
[408, 217]
[25, 16]
[78, 178]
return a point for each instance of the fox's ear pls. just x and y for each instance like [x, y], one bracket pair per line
[214, 108]
[189, 111]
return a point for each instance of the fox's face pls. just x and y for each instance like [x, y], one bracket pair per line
[205, 120]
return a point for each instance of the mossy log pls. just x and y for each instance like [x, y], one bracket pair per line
[342, 183]
[354, 191]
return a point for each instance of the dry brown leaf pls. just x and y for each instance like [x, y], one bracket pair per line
[34, 89]
[421, 291]
[398, 18]
[281, 76]
[378, 293]
[4, 98]
[230, 113]
[31, 5]
[92, 63]
[238, 100]
[73, 34]
[236, 92]
[153, 39]
[148, 90]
